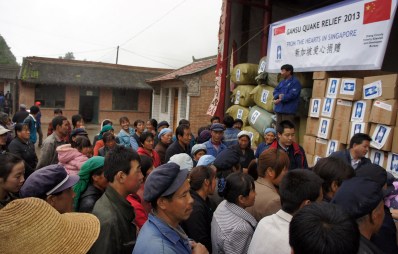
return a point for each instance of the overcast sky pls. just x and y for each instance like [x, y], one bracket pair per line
[152, 33]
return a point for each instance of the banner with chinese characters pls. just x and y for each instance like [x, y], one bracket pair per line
[351, 35]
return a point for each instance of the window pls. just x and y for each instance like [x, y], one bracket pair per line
[125, 99]
[165, 100]
[50, 96]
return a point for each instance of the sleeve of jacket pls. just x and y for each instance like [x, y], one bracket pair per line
[239, 240]
[133, 143]
[294, 91]
[107, 236]
[47, 153]
[277, 91]
[196, 229]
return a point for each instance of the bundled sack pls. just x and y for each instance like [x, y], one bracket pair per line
[260, 119]
[263, 97]
[244, 74]
[239, 112]
[304, 105]
[256, 138]
[263, 77]
[241, 96]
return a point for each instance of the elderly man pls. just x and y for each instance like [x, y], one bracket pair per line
[167, 188]
[215, 145]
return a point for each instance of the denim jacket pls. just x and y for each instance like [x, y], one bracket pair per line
[127, 140]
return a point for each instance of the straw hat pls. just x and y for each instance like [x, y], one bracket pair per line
[31, 225]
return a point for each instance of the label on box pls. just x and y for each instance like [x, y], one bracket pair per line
[332, 89]
[358, 111]
[324, 126]
[347, 86]
[321, 141]
[383, 105]
[315, 107]
[357, 128]
[239, 115]
[392, 164]
[237, 97]
[254, 117]
[264, 96]
[316, 159]
[372, 90]
[377, 157]
[327, 107]
[380, 136]
[344, 103]
[332, 146]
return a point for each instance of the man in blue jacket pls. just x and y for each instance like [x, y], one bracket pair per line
[287, 95]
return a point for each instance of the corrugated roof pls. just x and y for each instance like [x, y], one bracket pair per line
[55, 71]
[195, 67]
[8, 71]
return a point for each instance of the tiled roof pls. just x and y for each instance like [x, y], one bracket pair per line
[55, 71]
[196, 66]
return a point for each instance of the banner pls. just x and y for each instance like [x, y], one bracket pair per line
[351, 35]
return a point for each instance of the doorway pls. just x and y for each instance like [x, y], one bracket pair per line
[88, 104]
[175, 109]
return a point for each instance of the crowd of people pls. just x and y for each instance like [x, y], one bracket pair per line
[149, 189]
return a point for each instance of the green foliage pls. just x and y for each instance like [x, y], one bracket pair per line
[6, 56]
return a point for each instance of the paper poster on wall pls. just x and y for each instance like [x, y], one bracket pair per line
[392, 164]
[372, 90]
[347, 86]
[333, 87]
[315, 107]
[380, 136]
[324, 126]
[328, 107]
[377, 157]
[358, 111]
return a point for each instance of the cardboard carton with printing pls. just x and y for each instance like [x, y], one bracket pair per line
[378, 157]
[381, 87]
[310, 159]
[312, 126]
[394, 147]
[357, 127]
[333, 87]
[392, 164]
[340, 131]
[309, 144]
[334, 146]
[343, 110]
[384, 112]
[351, 89]
[316, 159]
[382, 136]
[315, 107]
[328, 107]
[361, 111]
[321, 147]
[325, 128]
[319, 88]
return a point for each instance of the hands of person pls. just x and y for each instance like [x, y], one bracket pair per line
[277, 101]
[394, 213]
[198, 248]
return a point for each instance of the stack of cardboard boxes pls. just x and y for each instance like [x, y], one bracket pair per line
[341, 107]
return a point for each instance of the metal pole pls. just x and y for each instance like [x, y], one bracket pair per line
[117, 54]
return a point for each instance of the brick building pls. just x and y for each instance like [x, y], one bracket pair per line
[185, 93]
[95, 90]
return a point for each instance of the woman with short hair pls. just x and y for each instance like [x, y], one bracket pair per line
[12, 170]
[232, 226]
[146, 148]
[24, 148]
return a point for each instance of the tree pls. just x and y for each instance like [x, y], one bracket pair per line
[68, 56]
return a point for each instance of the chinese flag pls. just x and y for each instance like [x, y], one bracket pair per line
[376, 11]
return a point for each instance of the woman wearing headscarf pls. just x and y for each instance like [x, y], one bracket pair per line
[269, 137]
[165, 137]
[100, 143]
[245, 151]
[91, 184]
[24, 148]
[103, 123]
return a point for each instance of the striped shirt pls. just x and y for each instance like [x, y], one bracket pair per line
[232, 229]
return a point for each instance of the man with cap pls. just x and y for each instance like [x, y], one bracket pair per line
[53, 184]
[198, 151]
[386, 238]
[181, 144]
[230, 133]
[355, 155]
[362, 198]
[286, 142]
[116, 215]
[21, 114]
[167, 188]
[269, 138]
[215, 145]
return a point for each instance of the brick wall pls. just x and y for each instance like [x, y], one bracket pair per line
[198, 108]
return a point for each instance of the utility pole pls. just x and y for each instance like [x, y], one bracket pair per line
[117, 54]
